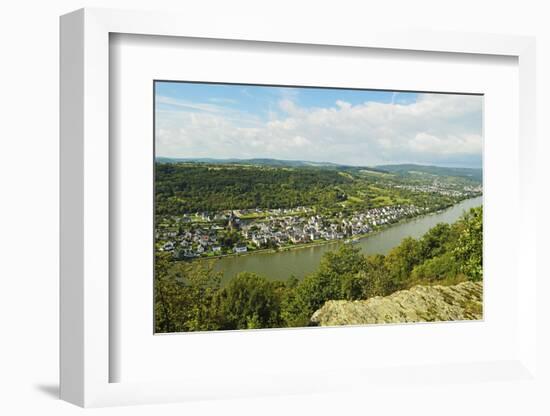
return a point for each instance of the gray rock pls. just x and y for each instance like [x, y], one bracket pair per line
[463, 301]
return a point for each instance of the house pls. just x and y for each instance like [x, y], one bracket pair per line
[296, 238]
[281, 238]
[314, 235]
[188, 253]
[240, 249]
[259, 240]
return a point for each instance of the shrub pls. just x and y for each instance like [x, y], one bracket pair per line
[250, 301]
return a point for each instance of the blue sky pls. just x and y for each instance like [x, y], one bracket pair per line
[260, 100]
[357, 127]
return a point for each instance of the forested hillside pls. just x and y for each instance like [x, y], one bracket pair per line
[182, 188]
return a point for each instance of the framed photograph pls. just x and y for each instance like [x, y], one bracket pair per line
[285, 207]
[247, 215]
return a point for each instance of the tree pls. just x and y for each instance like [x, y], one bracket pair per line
[185, 296]
[436, 270]
[371, 280]
[166, 291]
[469, 247]
[326, 284]
[230, 238]
[401, 260]
[435, 241]
[300, 303]
[250, 301]
[379, 283]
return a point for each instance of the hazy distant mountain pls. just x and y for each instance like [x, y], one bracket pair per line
[257, 161]
[400, 169]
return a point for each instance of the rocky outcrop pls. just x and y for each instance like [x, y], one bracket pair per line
[418, 304]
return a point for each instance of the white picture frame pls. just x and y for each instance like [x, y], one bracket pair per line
[85, 212]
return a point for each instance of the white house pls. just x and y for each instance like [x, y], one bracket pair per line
[240, 249]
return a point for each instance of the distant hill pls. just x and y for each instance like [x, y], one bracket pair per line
[268, 162]
[411, 169]
[257, 161]
[401, 169]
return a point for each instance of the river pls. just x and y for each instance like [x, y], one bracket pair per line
[300, 262]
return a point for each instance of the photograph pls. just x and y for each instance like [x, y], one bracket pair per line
[281, 206]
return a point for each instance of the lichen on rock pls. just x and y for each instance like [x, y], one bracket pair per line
[463, 301]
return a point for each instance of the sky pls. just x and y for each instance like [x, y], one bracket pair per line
[351, 127]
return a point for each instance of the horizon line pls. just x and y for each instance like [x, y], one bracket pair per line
[311, 161]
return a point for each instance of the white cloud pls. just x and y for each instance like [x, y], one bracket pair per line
[436, 129]
[288, 106]
[343, 105]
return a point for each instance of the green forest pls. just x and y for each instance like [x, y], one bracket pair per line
[184, 188]
[201, 187]
[189, 296]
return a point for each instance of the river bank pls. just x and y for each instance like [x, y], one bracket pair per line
[355, 239]
[299, 262]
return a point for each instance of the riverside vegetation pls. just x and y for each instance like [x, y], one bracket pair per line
[189, 295]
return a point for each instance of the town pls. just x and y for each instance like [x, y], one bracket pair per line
[443, 189]
[230, 232]
[214, 210]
